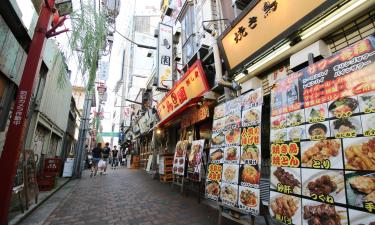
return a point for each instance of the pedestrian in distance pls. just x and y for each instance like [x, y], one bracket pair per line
[105, 155]
[96, 156]
[115, 156]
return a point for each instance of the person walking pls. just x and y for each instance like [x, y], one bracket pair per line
[105, 155]
[114, 157]
[96, 156]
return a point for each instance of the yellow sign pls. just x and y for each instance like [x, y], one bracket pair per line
[192, 84]
[264, 22]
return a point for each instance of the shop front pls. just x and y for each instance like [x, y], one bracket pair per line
[311, 113]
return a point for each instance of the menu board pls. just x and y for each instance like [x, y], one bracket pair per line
[234, 161]
[195, 160]
[323, 141]
[179, 158]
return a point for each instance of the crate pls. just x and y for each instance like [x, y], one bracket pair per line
[46, 183]
[166, 178]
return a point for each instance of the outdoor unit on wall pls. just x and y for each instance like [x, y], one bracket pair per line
[156, 33]
[176, 37]
[319, 50]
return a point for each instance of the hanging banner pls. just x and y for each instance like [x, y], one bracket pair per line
[180, 157]
[323, 141]
[195, 160]
[234, 161]
[165, 56]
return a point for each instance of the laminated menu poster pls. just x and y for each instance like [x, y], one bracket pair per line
[195, 160]
[234, 159]
[323, 141]
[179, 158]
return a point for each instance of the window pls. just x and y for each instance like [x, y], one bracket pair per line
[187, 25]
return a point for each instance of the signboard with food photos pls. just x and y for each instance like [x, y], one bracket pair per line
[234, 161]
[179, 158]
[195, 160]
[323, 141]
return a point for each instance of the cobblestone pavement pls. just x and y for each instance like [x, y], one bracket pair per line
[127, 196]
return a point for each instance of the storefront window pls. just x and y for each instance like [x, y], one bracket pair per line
[187, 25]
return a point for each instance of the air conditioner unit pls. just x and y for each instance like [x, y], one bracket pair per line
[156, 33]
[319, 50]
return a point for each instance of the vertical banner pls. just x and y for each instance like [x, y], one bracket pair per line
[179, 158]
[322, 141]
[165, 56]
[195, 160]
[234, 161]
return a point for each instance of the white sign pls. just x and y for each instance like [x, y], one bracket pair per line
[68, 167]
[149, 161]
[165, 56]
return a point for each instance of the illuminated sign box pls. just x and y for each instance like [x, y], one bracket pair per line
[192, 84]
[264, 24]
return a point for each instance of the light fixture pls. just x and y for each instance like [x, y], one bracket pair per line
[64, 7]
[263, 61]
[158, 131]
[331, 18]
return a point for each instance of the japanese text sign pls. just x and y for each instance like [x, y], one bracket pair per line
[192, 84]
[165, 55]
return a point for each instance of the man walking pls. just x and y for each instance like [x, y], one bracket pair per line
[114, 157]
[96, 155]
[105, 153]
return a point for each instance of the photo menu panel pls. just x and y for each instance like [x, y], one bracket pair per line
[323, 141]
[235, 154]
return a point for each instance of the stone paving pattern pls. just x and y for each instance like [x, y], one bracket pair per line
[131, 197]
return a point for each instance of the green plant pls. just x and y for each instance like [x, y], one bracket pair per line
[89, 38]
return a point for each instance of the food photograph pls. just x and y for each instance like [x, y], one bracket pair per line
[320, 151]
[230, 173]
[346, 125]
[248, 198]
[279, 135]
[249, 175]
[251, 116]
[367, 102]
[285, 205]
[296, 118]
[249, 154]
[296, 133]
[252, 98]
[232, 137]
[324, 182]
[213, 189]
[317, 213]
[229, 194]
[286, 176]
[233, 119]
[315, 113]
[218, 125]
[218, 139]
[216, 155]
[232, 155]
[361, 218]
[278, 122]
[368, 124]
[318, 130]
[219, 111]
[360, 188]
[342, 106]
[359, 153]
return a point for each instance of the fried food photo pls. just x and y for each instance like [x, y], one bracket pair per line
[285, 205]
[217, 155]
[248, 198]
[321, 150]
[323, 214]
[249, 152]
[233, 135]
[213, 188]
[365, 185]
[326, 185]
[231, 153]
[361, 156]
[250, 174]
[252, 116]
[229, 193]
[286, 178]
[230, 173]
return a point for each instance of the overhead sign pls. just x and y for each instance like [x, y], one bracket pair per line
[265, 24]
[165, 56]
[110, 134]
[191, 85]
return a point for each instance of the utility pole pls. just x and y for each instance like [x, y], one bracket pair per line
[15, 135]
[84, 125]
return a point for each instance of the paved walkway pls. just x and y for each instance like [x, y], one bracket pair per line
[128, 197]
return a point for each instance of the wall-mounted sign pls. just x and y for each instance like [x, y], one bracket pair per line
[270, 20]
[195, 115]
[191, 85]
[165, 55]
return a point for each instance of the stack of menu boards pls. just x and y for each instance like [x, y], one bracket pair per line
[323, 143]
[234, 161]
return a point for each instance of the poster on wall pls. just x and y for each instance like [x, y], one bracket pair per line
[179, 158]
[234, 160]
[323, 141]
[195, 160]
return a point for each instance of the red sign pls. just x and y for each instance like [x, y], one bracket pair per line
[191, 85]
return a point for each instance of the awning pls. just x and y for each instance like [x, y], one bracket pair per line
[179, 110]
